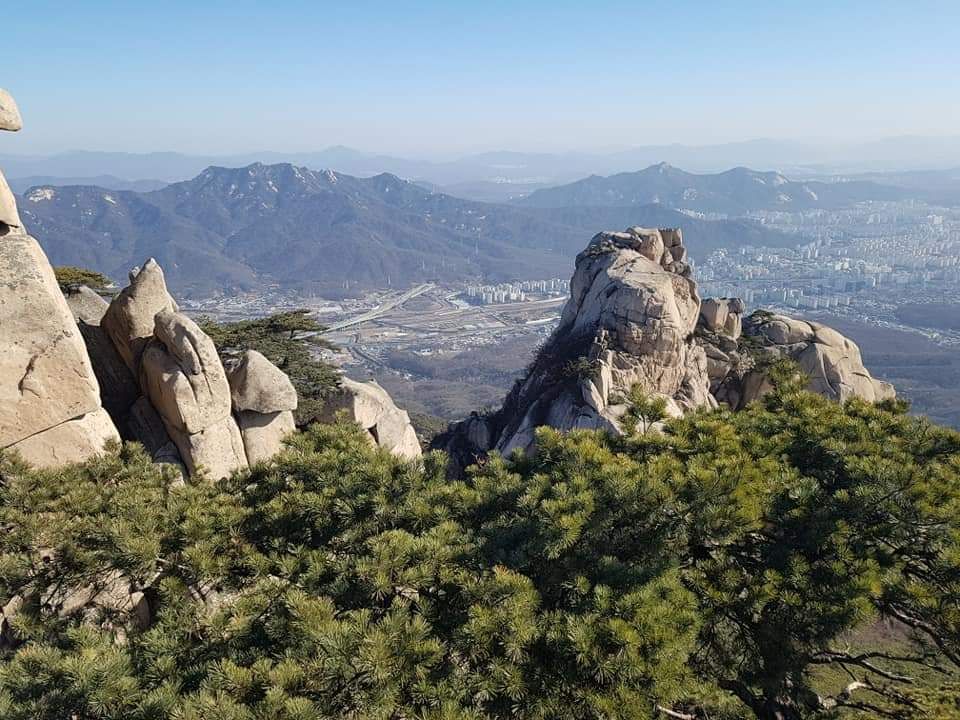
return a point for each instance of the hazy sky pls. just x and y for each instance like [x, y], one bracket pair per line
[449, 77]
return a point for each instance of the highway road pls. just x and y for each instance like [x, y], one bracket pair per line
[382, 308]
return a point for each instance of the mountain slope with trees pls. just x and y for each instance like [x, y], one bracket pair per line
[327, 232]
[727, 567]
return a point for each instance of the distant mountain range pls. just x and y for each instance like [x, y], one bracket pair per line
[734, 192]
[489, 176]
[329, 232]
[108, 182]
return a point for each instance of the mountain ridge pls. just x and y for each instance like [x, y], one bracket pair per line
[235, 228]
[734, 192]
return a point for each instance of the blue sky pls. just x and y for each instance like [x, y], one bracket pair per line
[442, 78]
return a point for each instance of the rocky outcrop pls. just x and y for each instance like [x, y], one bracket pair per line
[369, 405]
[263, 401]
[832, 363]
[9, 113]
[168, 388]
[50, 408]
[182, 375]
[129, 321]
[635, 320]
[629, 322]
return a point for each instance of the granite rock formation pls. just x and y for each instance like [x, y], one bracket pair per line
[369, 405]
[832, 363]
[50, 411]
[629, 322]
[263, 401]
[634, 320]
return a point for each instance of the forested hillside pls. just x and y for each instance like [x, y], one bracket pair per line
[796, 559]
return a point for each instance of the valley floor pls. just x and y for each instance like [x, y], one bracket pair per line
[441, 358]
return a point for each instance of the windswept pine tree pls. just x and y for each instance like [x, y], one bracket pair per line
[798, 559]
[288, 340]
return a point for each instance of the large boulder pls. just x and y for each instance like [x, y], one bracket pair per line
[257, 384]
[9, 112]
[46, 379]
[129, 321]
[263, 400]
[371, 407]
[184, 379]
[182, 374]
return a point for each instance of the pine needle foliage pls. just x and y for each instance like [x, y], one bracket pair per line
[70, 277]
[714, 569]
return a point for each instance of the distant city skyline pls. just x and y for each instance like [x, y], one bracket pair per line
[439, 80]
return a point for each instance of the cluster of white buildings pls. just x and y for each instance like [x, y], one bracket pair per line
[515, 292]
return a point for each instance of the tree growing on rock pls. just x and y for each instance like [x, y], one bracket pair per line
[288, 340]
[70, 277]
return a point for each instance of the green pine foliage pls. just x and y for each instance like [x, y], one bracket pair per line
[727, 567]
[69, 276]
[288, 340]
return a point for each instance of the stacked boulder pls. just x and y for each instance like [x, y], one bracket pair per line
[263, 401]
[723, 316]
[738, 363]
[188, 406]
[50, 410]
[371, 407]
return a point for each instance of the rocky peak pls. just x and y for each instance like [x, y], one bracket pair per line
[635, 320]
[629, 322]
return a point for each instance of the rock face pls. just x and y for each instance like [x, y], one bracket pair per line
[50, 408]
[369, 405]
[634, 319]
[118, 388]
[831, 361]
[263, 400]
